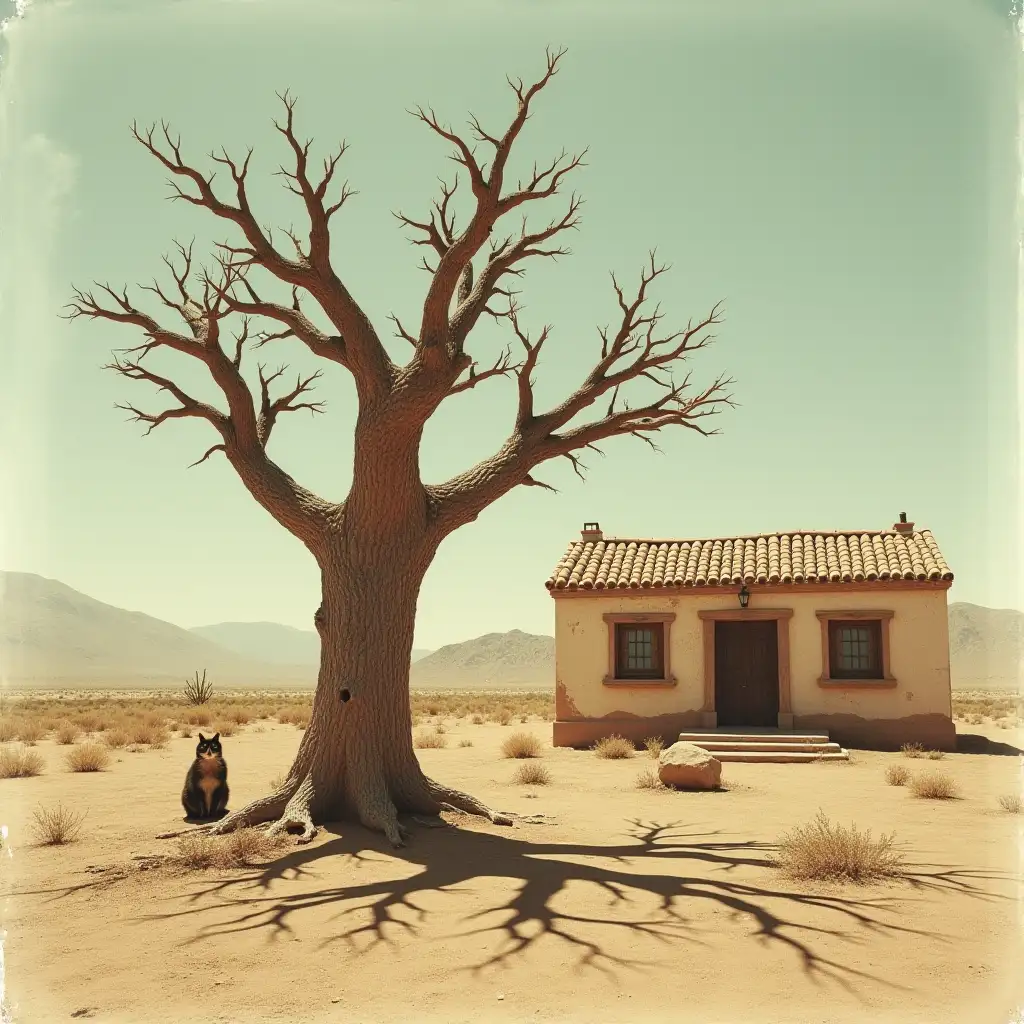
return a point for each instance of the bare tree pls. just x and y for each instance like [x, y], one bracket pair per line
[374, 547]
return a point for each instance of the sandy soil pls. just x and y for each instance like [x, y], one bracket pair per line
[618, 905]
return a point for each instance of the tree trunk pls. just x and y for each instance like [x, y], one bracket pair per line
[356, 758]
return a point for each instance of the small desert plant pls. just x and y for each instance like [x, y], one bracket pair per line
[18, 763]
[897, 774]
[237, 849]
[200, 718]
[912, 750]
[198, 691]
[441, 728]
[648, 779]
[8, 729]
[31, 732]
[824, 851]
[935, 755]
[88, 757]
[465, 743]
[614, 747]
[521, 744]
[1011, 803]
[240, 716]
[226, 728]
[654, 745]
[532, 773]
[430, 740]
[933, 786]
[57, 825]
[67, 732]
[503, 717]
[115, 738]
[477, 719]
[276, 783]
[149, 734]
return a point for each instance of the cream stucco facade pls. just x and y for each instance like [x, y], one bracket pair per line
[911, 702]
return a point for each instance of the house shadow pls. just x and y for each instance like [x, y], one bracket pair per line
[682, 870]
[974, 743]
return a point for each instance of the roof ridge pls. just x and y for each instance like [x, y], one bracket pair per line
[756, 536]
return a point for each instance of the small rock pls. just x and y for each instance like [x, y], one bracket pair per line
[687, 766]
[336, 999]
[501, 995]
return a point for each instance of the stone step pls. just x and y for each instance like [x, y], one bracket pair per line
[713, 735]
[758, 746]
[778, 756]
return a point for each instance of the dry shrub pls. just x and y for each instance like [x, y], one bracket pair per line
[649, 779]
[477, 719]
[115, 738]
[532, 773]
[8, 729]
[654, 745]
[148, 733]
[440, 728]
[1011, 803]
[912, 750]
[503, 717]
[432, 740]
[91, 722]
[614, 748]
[184, 731]
[199, 717]
[240, 716]
[88, 757]
[67, 733]
[30, 731]
[276, 783]
[198, 850]
[225, 728]
[933, 786]
[935, 755]
[897, 774]
[57, 825]
[828, 852]
[465, 743]
[19, 763]
[521, 744]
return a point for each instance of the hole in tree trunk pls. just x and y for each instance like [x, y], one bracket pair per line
[345, 695]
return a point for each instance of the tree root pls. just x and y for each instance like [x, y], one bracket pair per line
[455, 800]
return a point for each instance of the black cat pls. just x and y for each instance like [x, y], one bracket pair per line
[206, 786]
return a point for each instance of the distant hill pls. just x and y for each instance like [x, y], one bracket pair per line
[271, 642]
[48, 631]
[985, 646]
[510, 660]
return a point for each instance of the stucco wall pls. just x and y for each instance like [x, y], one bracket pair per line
[918, 644]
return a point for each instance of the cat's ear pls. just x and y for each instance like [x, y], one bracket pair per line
[202, 738]
[215, 737]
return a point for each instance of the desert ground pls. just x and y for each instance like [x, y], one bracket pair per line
[604, 901]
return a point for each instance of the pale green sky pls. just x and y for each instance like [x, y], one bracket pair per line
[843, 174]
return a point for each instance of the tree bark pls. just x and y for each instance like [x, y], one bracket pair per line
[356, 758]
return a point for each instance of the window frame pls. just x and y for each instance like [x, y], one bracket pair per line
[661, 625]
[877, 621]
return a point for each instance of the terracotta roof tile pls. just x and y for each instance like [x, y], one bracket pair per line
[806, 557]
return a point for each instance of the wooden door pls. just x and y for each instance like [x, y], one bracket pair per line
[747, 673]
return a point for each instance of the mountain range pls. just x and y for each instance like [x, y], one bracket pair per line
[50, 633]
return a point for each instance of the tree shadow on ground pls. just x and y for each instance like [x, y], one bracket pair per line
[975, 743]
[681, 869]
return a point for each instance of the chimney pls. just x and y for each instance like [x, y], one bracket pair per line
[903, 526]
[591, 532]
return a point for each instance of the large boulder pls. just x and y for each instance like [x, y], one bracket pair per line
[687, 766]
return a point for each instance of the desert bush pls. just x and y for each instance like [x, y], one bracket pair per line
[441, 728]
[648, 779]
[465, 743]
[614, 747]
[67, 733]
[933, 786]
[912, 750]
[246, 846]
[8, 729]
[521, 744]
[432, 740]
[56, 826]
[477, 719]
[198, 691]
[897, 774]
[532, 773]
[935, 755]
[200, 718]
[31, 731]
[240, 716]
[654, 745]
[143, 732]
[19, 763]
[90, 722]
[503, 717]
[825, 851]
[1011, 803]
[88, 757]
[225, 728]
[116, 738]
